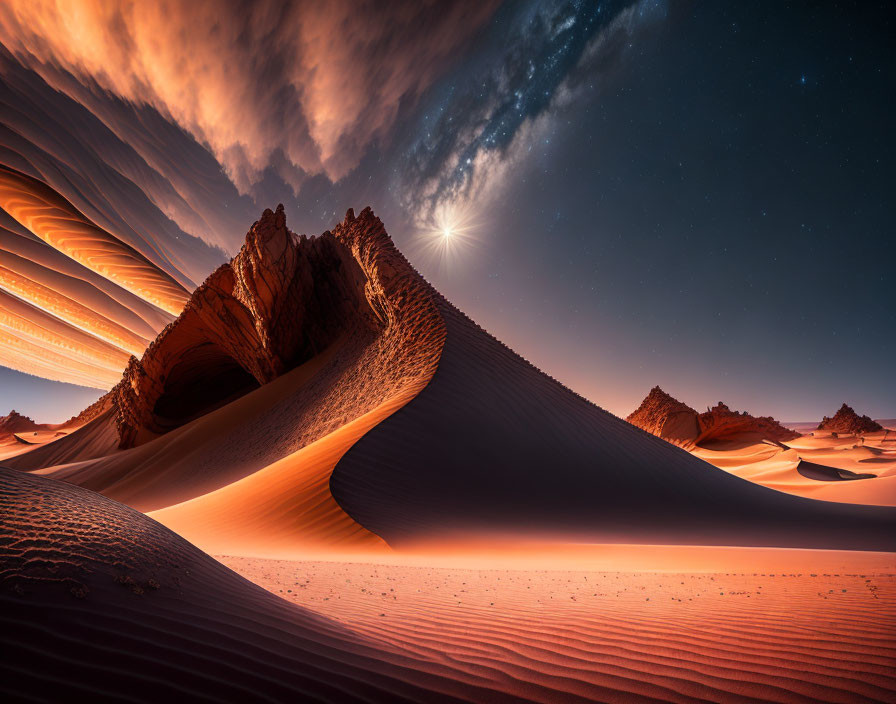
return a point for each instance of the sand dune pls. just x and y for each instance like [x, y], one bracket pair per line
[366, 372]
[517, 452]
[422, 458]
[137, 613]
[116, 607]
[285, 508]
[435, 429]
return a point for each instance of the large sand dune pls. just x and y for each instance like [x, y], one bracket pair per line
[492, 444]
[415, 453]
[113, 606]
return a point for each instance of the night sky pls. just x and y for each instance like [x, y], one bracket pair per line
[695, 195]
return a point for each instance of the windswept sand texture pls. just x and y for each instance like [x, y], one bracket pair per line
[101, 603]
[576, 632]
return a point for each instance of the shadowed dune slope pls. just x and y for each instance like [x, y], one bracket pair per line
[99, 602]
[493, 444]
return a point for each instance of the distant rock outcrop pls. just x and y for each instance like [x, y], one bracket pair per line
[666, 417]
[678, 423]
[16, 423]
[847, 421]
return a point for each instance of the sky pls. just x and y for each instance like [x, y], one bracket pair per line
[694, 195]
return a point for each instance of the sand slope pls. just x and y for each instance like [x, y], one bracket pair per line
[436, 430]
[492, 444]
[285, 508]
[113, 606]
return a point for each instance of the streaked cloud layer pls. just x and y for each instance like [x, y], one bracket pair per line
[253, 79]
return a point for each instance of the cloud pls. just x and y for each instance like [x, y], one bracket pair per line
[315, 83]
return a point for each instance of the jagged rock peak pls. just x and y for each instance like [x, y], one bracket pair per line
[279, 302]
[15, 422]
[721, 423]
[846, 420]
[666, 417]
[656, 398]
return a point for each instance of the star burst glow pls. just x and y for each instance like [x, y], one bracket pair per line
[447, 234]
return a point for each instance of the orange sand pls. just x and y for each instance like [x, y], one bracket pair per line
[573, 634]
[285, 507]
[775, 466]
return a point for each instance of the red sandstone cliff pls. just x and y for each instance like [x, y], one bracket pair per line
[678, 423]
[847, 421]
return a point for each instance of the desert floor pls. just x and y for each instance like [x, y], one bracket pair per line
[622, 623]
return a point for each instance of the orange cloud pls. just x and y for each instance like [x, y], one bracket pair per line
[319, 81]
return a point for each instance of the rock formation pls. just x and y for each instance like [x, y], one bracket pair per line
[16, 423]
[678, 423]
[280, 302]
[721, 423]
[847, 421]
[666, 417]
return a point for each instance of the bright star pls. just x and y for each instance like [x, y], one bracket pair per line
[446, 233]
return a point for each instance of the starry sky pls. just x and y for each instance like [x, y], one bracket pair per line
[695, 195]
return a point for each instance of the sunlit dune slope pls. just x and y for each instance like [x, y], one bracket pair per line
[113, 606]
[853, 468]
[58, 223]
[494, 444]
